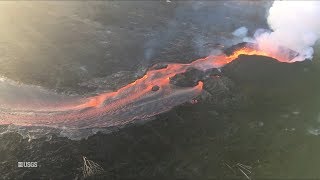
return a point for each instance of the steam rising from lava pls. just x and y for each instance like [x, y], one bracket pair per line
[295, 25]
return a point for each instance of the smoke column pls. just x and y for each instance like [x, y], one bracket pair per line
[295, 25]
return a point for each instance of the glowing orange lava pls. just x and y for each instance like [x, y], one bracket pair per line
[133, 101]
[251, 51]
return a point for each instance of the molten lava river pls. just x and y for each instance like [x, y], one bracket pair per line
[134, 101]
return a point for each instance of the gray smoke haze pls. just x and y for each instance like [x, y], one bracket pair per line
[198, 29]
[204, 25]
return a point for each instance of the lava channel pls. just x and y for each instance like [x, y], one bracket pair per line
[136, 101]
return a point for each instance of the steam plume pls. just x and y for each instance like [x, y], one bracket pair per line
[295, 25]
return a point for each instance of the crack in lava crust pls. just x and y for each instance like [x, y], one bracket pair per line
[131, 102]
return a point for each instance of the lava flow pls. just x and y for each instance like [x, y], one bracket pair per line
[148, 96]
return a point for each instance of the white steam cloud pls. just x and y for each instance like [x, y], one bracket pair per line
[240, 32]
[295, 25]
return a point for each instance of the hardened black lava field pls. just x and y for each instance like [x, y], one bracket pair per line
[255, 117]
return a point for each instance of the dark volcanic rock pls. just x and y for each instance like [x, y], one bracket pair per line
[155, 88]
[219, 91]
[159, 66]
[230, 50]
[264, 71]
[189, 78]
[192, 76]
[58, 157]
[222, 93]
[218, 85]
[151, 150]
[289, 53]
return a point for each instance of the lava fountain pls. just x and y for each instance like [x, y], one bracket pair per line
[150, 95]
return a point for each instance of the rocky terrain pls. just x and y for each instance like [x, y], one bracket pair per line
[156, 149]
[254, 113]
